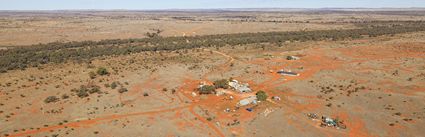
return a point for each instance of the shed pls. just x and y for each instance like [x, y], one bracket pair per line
[247, 101]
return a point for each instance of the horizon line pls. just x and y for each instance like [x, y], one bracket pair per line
[171, 9]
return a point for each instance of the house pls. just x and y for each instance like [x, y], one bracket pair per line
[239, 86]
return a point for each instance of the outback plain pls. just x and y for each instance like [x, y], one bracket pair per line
[213, 73]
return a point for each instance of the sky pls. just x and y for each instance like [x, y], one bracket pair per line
[201, 4]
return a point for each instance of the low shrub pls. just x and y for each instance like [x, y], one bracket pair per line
[102, 71]
[122, 90]
[51, 99]
[114, 85]
[92, 75]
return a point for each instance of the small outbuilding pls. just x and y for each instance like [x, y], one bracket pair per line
[292, 58]
[287, 73]
[247, 101]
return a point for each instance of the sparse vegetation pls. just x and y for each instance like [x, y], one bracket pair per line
[107, 85]
[65, 96]
[154, 34]
[94, 89]
[92, 75]
[82, 93]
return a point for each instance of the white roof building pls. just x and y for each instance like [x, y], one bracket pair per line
[247, 101]
[239, 87]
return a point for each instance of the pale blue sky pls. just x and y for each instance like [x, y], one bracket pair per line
[200, 4]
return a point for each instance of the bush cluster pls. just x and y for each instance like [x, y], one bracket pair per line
[86, 90]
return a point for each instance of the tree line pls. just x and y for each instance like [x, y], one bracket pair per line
[56, 52]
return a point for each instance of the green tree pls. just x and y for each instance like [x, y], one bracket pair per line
[223, 83]
[207, 89]
[261, 95]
